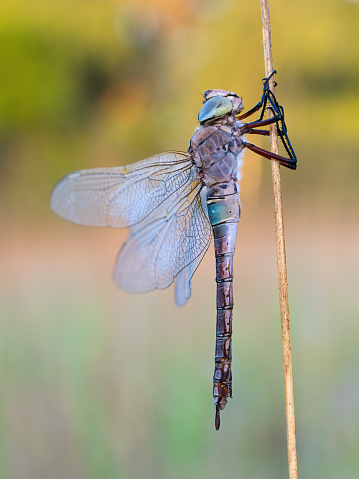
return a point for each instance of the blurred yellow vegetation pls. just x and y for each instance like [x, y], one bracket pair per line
[95, 83]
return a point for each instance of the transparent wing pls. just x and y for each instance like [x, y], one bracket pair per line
[121, 196]
[184, 277]
[171, 241]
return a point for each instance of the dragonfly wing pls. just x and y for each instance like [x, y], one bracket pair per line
[174, 236]
[121, 196]
[184, 280]
[184, 277]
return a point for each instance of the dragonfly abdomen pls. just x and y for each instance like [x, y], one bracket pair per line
[224, 213]
[215, 153]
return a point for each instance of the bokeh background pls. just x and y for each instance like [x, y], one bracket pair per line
[98, 383]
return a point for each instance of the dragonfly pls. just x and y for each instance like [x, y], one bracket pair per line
[174, 202]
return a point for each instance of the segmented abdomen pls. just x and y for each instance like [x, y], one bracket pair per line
[224, 213]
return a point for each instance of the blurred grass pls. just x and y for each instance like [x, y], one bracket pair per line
[98, 383]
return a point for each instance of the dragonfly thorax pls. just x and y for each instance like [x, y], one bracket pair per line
[215, 152]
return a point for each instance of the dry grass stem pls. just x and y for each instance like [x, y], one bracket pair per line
[281, 259]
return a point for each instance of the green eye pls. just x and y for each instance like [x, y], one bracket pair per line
[214, 108]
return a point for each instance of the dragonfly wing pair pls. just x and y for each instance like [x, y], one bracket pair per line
[159, 200]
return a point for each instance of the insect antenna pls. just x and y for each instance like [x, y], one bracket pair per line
[202, 94]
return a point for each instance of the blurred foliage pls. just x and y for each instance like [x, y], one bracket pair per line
[98, 83]
[99, 384]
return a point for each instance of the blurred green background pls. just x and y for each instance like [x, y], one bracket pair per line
[98, 383]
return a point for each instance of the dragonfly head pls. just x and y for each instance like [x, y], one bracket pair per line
[219, 103]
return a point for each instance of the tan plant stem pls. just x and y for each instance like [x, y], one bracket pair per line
[281, 260]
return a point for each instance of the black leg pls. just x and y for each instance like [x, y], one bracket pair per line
[263, 102]
[269, 99]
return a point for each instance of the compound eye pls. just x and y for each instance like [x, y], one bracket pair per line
[214, 108]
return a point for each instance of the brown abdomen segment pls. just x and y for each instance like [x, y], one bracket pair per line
[224, 216]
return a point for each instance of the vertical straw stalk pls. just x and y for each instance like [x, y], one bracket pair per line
[281, 260]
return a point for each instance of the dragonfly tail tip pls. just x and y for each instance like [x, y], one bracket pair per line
[217, 421]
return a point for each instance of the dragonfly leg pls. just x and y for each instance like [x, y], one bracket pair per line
[281, 130]
[263, 101]
[288, 162]
[252, 110]
[257, 132]
[255, 124]
[268, 98]
[282, 133]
